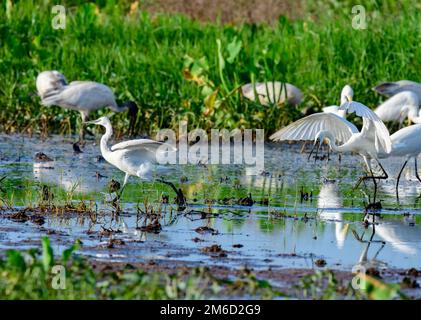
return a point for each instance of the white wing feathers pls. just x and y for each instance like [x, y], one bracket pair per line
[331, 109]
[147, 144]
[372, 125]
[83, 94]
[307, 128]
[144, 148]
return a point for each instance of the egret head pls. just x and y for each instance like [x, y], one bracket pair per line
[347, 94]
[321, 137]
[409, 103]
[324, 136]
[103, 121]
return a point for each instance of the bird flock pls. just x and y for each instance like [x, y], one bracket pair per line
[373, 142]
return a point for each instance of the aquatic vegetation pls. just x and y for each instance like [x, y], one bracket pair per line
[325, 285]
[31, 275]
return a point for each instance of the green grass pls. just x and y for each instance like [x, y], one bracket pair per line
[30, 275]
[150, 59]
[39, 274]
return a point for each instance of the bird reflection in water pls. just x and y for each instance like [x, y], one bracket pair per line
[328, 200]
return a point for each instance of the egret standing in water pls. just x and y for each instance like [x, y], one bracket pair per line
[405, 143]
[82, 96]
[135, 157]
[373, 139]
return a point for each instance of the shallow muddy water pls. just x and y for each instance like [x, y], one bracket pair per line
[303, 211]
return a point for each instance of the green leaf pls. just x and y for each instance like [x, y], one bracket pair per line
[69, 251]
[15, 260]
[233, 49]
[220, 56]
[206, 91]
[47, 254]
[379, 290]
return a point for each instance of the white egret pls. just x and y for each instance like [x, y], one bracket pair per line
[402, 105]
[405, 143]
[373, 139]
[135, 157]
[391, 88]
[347, 94]
[82, 96]
[272, 92]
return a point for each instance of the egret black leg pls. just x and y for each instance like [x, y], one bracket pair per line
[375, 185]
[416, 170]
[362, 179]
[317, 151]
[385, 175]
[382, 177]
[397, 180]
[83, 128]
[312, 150]
[328, 154]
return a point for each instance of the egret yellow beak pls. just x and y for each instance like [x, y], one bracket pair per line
[91, 122]
[349, 98]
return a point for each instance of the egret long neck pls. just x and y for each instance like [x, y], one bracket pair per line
[334, 146]
[105, 149]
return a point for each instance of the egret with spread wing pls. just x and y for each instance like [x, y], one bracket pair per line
[135, 157]
[374, 137]
[82, 96]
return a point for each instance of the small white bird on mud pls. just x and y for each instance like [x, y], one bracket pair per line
[82, 96]
[272, 92]
[138, 158]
